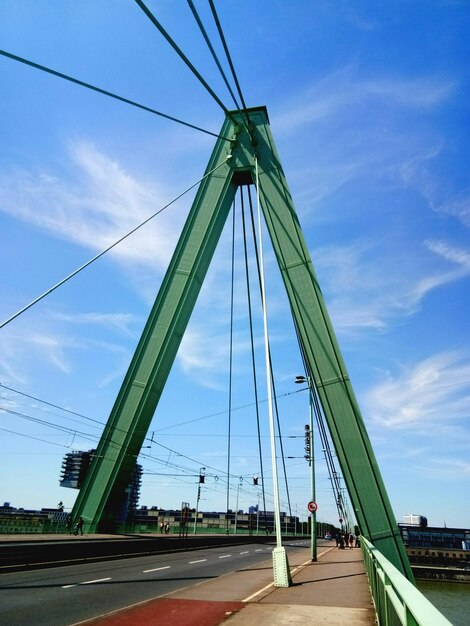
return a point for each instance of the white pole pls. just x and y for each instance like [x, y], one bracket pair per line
[277, 517]
[281, 569]
[313, 529]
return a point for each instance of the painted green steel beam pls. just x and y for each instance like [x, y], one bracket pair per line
[98, 501]
[324, 360]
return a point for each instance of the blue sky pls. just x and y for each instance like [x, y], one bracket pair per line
[368, 104]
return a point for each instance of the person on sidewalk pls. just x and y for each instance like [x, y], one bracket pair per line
[79, 526]
[68, 524]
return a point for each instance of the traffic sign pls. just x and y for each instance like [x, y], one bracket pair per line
[312, 506]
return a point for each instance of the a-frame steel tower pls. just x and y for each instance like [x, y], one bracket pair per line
[251, 139]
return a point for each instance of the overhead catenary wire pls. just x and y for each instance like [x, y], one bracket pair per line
[14, 432]
[181, 54]
[159, 431]
[105, 92]
[113, 245]
[145, 456]
[93, 438]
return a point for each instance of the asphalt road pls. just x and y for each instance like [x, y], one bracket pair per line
[66, 595]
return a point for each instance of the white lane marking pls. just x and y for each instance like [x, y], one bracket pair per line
[246, 552]
[259, 550]
[225, 556]
[91, 582]
[258, 592]
[253, 595]
[68, 586]
[199, 561]
[155, 569]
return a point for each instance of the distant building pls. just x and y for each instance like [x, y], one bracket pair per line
[13, 520]
[74, 470]
[75, 467]
[415, 536]
[415, 520]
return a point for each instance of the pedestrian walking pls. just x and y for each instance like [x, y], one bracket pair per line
[79, 526]
[68, 524]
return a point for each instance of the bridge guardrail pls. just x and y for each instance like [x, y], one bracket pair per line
[397, 601]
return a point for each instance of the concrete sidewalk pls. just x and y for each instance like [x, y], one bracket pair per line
[332, 591]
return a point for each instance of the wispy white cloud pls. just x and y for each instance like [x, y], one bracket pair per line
[94, 207]
[427, 393]
[450, 253]
[120, 321]
[52, 347]
[30, 345]
[343, 91]
[458, 207]
[368, 289]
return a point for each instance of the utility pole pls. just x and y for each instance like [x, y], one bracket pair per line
[202, 478]
[309, 455]
[236, 508]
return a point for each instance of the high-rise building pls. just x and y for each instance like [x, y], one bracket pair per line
[74, 469]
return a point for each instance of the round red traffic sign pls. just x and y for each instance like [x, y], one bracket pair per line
[312, 506]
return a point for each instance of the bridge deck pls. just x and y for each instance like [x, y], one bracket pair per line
[333, 591]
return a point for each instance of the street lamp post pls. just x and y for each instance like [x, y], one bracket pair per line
[311, 461]
[201, 480]
[236, 508]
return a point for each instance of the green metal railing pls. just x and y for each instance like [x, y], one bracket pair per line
[397, 601]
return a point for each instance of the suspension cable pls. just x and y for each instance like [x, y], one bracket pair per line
[181, 54]
[333, 474]
[281, 444]
[230, 365]
[110, 94]
[113, 245]
[253, 361]
[258, 264]
[227, 52]
[268, 367]
[211, 48]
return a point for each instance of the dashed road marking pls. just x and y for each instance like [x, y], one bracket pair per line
[246, 552]
[92, 582]
[224, 556]
[199, 561]
[156, 569]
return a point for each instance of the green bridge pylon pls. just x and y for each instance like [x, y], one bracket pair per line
[99, 500]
